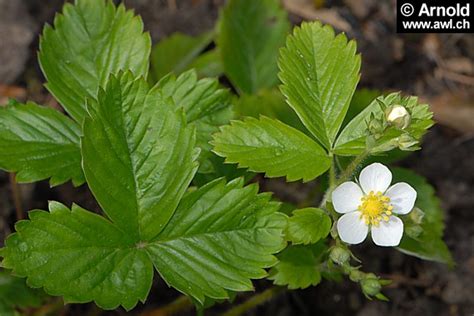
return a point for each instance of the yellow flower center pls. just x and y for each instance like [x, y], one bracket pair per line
[375, 207]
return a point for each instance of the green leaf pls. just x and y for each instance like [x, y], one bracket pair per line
[250, 34]
[220, 237]
[429, 245]
[308, 226]
[14, 293]
[208, 64]
[89, 41]
[319, 72]
[298, 266]
[177, 53]
[353, 139]
[270, 103]
[38, 143]
[221, 170]
[205, 104]
[139, 158]
[79, 255]
[269, 146]
[131, 145]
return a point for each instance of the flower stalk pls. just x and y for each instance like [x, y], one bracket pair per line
[351, 168]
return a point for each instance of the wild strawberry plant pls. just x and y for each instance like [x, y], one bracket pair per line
[141, 140]
[319, 72]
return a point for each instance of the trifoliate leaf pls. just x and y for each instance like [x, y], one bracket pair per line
[139, 157]
[220, 237]
[308, 226]
[270, 103]
[79, 255]
[177, 53]
[355, 137]
[205, 104]
[269, 146]
[250, 34]
[89, 41]
[38, 143]
[319, 72]
[299, 266]
[14, 293]
[429, 244]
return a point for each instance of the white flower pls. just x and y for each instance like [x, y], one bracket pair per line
[372, 205]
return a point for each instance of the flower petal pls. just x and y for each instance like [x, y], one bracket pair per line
[375, 177]
[389, 233]
[402, 197]
[346, 197]
[351, 228]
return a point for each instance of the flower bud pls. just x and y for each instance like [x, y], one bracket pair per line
[376, 127]
[397, 115]
[417, 215]
[408, 143]
[356, 275]
[339, 255]
[370, 285]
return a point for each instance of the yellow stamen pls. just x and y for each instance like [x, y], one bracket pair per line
[375, 207]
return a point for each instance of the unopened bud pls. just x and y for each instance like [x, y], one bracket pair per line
[376, 127]
[397, 115]
[417, 215]
[408, 143]
[356, 275]
[339, 255]
[370, 285]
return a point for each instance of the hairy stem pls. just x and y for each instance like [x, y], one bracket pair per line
[254, 301]
[332, 173]
[346, 174]
[332, 182]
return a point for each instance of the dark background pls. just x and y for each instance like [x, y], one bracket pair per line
[437, 67]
